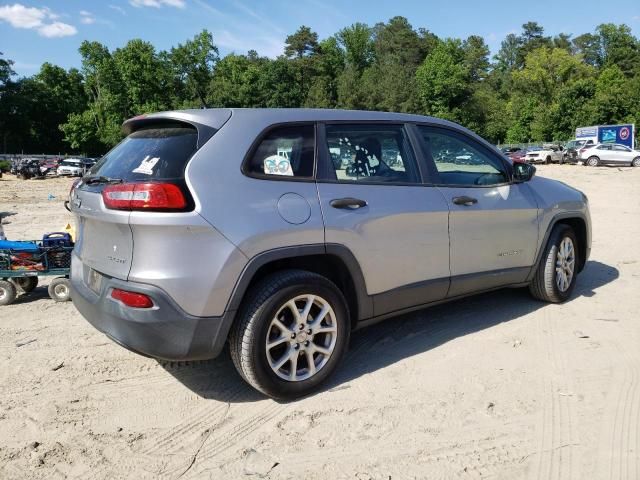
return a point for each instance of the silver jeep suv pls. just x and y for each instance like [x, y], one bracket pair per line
[281, 231]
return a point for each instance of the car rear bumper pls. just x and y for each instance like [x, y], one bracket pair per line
[164, 331]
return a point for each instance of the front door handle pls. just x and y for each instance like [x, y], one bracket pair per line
[351, 203]
[464, 200]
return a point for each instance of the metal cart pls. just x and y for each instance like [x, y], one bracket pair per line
[21, 266]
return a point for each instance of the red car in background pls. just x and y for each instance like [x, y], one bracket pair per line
[515, 154]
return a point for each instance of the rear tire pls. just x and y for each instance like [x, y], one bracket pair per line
[8, 292]
[593, 161]
[26, 284]
[547, 160]
[60, 289]
[283, 354]
[551, 282]
[635, 162]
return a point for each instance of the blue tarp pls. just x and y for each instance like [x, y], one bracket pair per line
[20, 246]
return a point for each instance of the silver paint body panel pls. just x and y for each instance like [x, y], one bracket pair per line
[406, 234]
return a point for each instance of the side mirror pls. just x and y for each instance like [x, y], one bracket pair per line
[523, 172]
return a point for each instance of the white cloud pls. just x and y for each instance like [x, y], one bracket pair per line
[57, 30]
[158, 3]
[20, 16]
[32, 18]
[87, 17]
[118, 9]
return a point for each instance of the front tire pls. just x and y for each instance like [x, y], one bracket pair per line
[291, 334]
[593, 161]
[555, 276]
[635, 162]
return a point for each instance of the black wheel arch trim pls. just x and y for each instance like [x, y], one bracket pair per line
[554, 221]
[364, 301]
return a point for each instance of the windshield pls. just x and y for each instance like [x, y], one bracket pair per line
[70, 163]
[149, 153]
[575, 144]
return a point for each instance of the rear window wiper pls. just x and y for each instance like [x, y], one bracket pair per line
[101, 180]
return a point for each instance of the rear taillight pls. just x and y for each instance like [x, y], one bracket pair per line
[74, 185]
[144, 196]
[132, 299]
[581, 151]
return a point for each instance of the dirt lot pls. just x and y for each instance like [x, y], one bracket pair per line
[495, 386]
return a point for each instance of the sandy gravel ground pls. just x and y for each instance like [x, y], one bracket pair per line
[495, 386]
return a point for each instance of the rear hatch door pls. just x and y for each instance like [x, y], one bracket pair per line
[156, 150]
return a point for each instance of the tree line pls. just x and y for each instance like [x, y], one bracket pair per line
[536, 88]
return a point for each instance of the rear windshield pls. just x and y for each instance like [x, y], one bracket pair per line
[150, 153]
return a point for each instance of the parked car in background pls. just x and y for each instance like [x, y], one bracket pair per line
[509, 150]
[27, 168]
[609, 153]
[87, 163]
[163, 265]
[71, 166]
[548, 153]
[571, 149]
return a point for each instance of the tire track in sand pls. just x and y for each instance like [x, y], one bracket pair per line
[557, 439]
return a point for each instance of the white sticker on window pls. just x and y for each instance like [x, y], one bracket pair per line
[146, 167]
[277, 165]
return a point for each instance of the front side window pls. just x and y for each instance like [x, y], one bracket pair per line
[621, 148]
[370, 153]
[461, 161]
[286, 151]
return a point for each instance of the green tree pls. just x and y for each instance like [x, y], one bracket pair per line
[476, 58]
[302, 43]
[330, 62]
[614, 100]
[193, 63]
[357, 43]
[388, 83]
[442, 81]
[235, 82]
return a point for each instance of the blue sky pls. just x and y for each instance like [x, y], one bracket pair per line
[33, 32]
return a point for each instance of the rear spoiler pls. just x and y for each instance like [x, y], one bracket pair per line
[217, 116]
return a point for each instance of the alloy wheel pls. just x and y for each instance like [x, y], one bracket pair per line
[565, 264]
[301, 337]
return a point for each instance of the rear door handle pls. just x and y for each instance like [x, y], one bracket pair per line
[464, 200]
[351, 203]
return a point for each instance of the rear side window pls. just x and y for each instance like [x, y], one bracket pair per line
[151, 153]
[371, 153]
[285, 151]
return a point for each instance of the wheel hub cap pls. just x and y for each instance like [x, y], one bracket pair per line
[301, 338]
[565, 264]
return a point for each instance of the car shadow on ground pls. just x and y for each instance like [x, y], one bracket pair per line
[37, 293]
[395, 339]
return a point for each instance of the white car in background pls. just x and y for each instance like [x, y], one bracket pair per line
[609, 153]
[547, 154]
[71, 166]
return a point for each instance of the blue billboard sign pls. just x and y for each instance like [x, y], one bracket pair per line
[622, 134]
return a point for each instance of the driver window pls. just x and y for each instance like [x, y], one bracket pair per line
[371, 153]
[460, 161]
